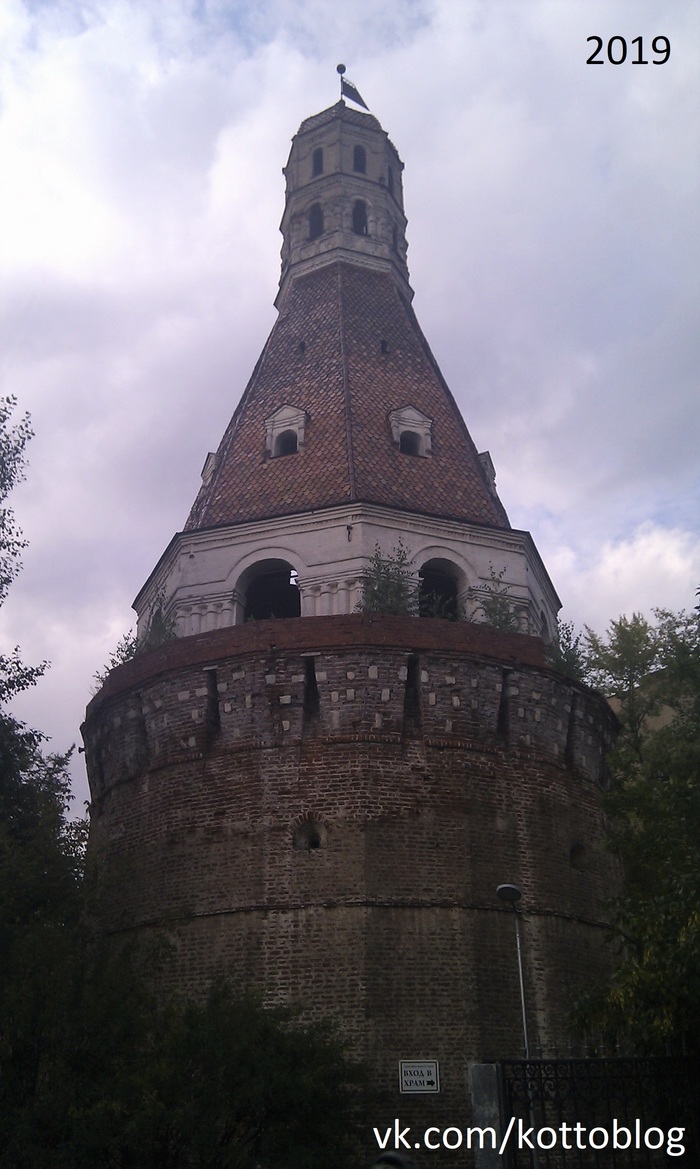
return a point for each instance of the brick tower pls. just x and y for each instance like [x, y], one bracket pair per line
[317, 801]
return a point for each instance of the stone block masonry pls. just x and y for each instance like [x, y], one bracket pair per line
[324, 807]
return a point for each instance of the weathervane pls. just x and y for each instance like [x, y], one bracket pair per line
[347, 89]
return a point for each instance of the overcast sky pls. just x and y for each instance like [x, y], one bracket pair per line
[553, 249]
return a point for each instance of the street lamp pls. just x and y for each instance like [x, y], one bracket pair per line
[511, 894]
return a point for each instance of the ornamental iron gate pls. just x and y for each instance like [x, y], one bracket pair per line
[611, 1113]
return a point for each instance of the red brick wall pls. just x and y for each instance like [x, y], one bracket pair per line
[426, 803]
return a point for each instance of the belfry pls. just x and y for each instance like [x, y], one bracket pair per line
[321, 802]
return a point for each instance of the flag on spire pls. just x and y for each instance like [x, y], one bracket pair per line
[347, 89]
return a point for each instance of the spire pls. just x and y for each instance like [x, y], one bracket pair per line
[346, 375]
[347, 435]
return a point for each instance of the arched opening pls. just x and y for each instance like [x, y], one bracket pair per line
[317, 162]
[270, 590]
[439, 590]
[309, 835]
[410, 443]
[390, 180]
[395, 239]
[359, 160]
[359, 217]
[315, 221]
[286, 443]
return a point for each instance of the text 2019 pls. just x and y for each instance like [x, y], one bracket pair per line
[617, 51]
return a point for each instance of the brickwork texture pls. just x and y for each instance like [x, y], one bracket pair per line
[324, 807]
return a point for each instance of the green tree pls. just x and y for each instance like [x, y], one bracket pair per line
[41, 850]
[388, 584]
[496, 604]
[13, 440]
[566, 652]
[652, 1002]
[136, 1079]
[15, 676]
[624, 666]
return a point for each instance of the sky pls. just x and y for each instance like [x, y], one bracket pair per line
[553, 249]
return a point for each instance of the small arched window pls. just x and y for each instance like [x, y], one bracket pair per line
[411, 431]
[359, 217]
[317, 162]
[315, 221]
[286, 443]
[395, 238]
[410, 443]
[390, 180]
[359, 160]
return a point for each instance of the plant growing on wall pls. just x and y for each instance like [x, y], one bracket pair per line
[496, 604]
[161, 624]
[388, 585]
[161, 627]
[566, 652]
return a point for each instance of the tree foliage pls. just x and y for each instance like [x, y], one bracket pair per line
[13, 440]
[496, 604]
[389, 585]
[566, 652]
[652, 1003]
[623, 667]
[15, 676]
[116, 1076]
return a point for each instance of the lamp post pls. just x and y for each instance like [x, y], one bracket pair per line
[511, 894]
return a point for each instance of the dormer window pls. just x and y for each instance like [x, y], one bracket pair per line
[284, 431]
[489, 471]
[315, 221]
[317, 162]
[359, 218]
[411, 431]
[210, 465]
[359, 160]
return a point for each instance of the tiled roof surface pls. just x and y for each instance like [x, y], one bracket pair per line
[348, 386]
[340, 110]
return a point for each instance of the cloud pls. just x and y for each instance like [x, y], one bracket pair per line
[630, 575]
[553, 236]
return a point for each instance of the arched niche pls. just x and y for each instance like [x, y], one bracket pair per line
[440, 586]
[269, 589]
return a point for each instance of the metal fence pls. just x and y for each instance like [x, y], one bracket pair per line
[601, 1113]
